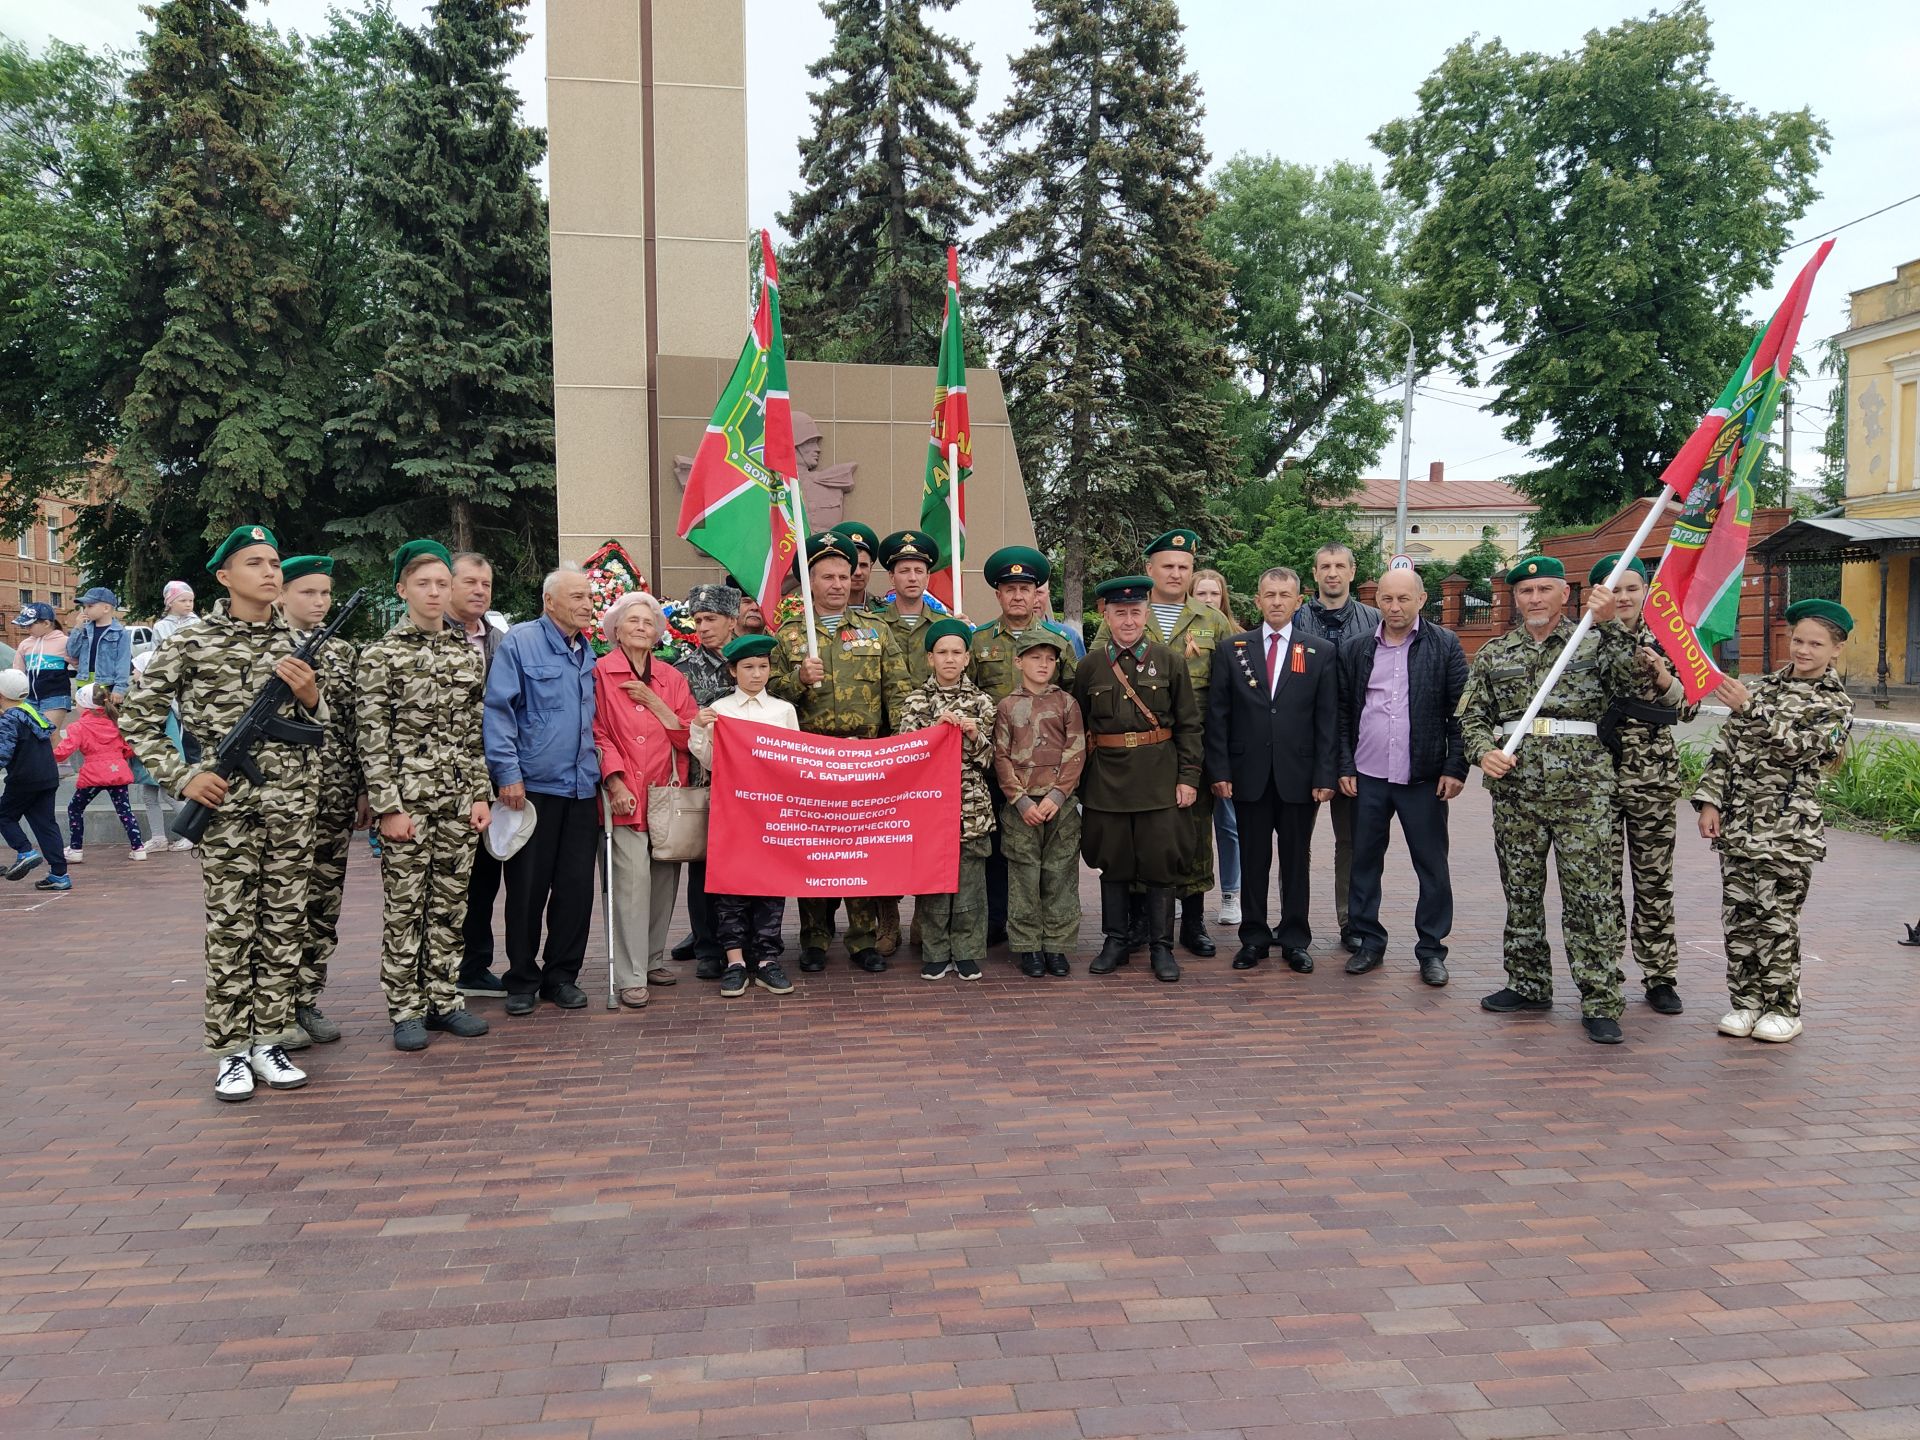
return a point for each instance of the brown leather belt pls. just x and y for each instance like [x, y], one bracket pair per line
[1132, 740]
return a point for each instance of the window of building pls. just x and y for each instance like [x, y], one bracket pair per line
[23, 544]
[26, 596]
[1411, 530]
[1906, 436]
[53, 599]
[53, 543]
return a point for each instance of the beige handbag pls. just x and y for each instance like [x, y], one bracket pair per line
[677, 819]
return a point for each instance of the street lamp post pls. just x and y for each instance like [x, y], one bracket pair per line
[1406, 420]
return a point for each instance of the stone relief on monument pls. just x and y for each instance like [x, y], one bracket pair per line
[824, 491]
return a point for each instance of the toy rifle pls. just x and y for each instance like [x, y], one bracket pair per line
[263, 721]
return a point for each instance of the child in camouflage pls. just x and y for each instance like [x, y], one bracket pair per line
[953, 926]
[1759, 804]
[417, 708]
[1039, 750]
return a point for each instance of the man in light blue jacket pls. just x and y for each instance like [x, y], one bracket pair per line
[101, 651]
[539, 740]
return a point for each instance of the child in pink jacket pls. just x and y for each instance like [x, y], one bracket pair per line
[106, 764]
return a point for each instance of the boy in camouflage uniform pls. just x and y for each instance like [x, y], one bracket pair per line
[1648, 784]
[305, 600]
[851, 689]
[953, 927]
[1039, 750]
[420, 694]
[1556, 793]
[258, 849]
[1759, 804]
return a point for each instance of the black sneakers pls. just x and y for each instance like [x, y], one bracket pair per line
[1664, 999]
[410, 1035]
[734, 982]
[319, 1028]
[967, 969]
[771, 978]
[463, 1023]
[1602, 1031]
[1506, 999]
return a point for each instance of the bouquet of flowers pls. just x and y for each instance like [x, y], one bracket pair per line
[681, 638]
[611, 573]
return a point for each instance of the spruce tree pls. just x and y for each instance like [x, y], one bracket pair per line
[1105, 304]
[454, 431]
[888, 185]
[219, 420]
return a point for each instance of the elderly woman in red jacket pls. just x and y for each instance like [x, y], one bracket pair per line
[642, 707]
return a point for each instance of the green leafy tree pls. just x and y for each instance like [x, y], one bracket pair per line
[1290, 533]
[887, 185]
[1602, 214]
[1833, 443]
[65, 237]
[453, 433]
[220, 420]
[1105, 304]
[1293, 239]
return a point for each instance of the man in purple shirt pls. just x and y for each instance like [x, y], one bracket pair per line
[1401, 755]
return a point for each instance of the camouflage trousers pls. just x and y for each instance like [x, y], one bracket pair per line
[425, 885]
[326, 882]
[1579, 832]
[1760, 904]
[863, 923]
[254, 863]
[954, 927]
[1043, 880]
[1644, 828]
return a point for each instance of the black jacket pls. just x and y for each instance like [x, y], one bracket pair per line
[1288, 737]
[1361, 619]
[1436, 675]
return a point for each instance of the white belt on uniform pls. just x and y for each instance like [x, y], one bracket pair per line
[1541, 725]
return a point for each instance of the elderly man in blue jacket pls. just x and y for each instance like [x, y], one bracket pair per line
[539, 741]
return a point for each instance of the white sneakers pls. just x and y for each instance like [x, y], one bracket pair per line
[268, 1062]
[235, 1080]
[74, 857]
[1229, 907]
[179, 845]
[1771, 1026]
[138, 852]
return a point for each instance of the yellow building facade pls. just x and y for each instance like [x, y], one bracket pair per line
[1882, 346]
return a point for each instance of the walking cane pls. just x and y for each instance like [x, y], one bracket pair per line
[606, 887]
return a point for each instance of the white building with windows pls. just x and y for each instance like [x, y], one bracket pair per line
[1446, 518]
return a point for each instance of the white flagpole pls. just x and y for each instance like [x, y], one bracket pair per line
[797, 517]
[1654, 512]
[953, 519]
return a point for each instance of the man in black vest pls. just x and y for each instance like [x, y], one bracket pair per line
[1271, 746]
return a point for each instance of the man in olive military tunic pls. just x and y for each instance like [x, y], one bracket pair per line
[852, 689]
[1016, 573]
[1556, 793]
[1193, 632]
[1142, 773]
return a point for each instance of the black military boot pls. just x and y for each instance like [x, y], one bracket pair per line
[1115, 916]
[1137, 923]
[1193, 927]
[1160, 941]
[1033, 964]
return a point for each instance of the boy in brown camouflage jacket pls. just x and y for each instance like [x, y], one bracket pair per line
[1039, 750]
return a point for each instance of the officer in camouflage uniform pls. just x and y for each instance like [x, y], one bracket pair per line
[852, 689]
[1143, 771]
[1639, 732]
[258, 850]
[866, 549]
[1759, 803]
[1555, 793]
[421, 688]
[1193, 631]
[953, 927]
[1039, 752]
[305, 601]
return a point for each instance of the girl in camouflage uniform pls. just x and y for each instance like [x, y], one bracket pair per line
[1759, 805]
[418, 705]
[953, 927]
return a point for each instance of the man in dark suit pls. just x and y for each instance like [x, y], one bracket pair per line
[1271, 733]
[1401, 754]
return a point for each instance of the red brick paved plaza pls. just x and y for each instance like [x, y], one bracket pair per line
[1254, 1205]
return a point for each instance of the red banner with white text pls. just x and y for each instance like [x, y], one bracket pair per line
[811, 816]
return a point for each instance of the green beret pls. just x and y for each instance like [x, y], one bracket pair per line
[1041, 638]
[1831, 611]
[242, 537]
[1182, 542]
[830, 545]
[746, 647]
[1598, 575]
[946, 625]
[1123, 589]
[909, 545]
[298, 567]
[413, 550]
[862, 535]
[1537, 567]
[1016, 562]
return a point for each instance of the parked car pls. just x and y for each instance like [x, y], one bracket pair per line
[143, 640]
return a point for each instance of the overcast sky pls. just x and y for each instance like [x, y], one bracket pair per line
[1310, 82]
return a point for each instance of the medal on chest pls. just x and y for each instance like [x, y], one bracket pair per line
[1298, 664]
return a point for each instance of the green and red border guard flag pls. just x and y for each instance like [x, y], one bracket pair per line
[741, 500]
[1694, 601]
[951, 427]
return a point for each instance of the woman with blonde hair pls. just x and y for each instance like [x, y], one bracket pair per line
[642, 708]
[1210, 588]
